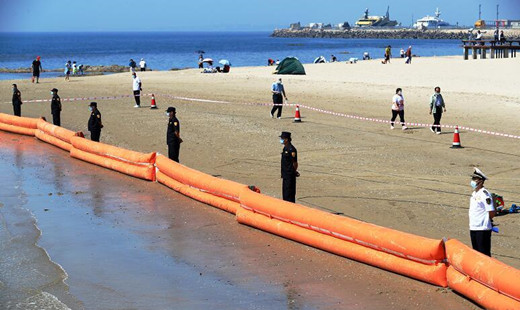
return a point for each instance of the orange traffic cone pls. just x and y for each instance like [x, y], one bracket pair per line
[297, 118]
[153, 105]
[456, 139]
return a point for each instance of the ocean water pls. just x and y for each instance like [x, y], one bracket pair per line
[164, 51]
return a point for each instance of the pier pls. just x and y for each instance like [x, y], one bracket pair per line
[496, 49]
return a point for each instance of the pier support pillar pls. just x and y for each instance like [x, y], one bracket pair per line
[466, 52]
[483, 53]
[492, 53]
[506, 53]
[474, 52]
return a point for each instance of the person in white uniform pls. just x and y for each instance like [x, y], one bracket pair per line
[481, 211]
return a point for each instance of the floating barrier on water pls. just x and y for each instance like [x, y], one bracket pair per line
[133, 163]
[55, 135]
[204, 183]
[488, 272]
[16, 124]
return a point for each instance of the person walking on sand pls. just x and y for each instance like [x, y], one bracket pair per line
[408, 55]
[55, 107]
[289, 167]
[278, 92]
[388, 54]
[173, 135]
[137, 88]
[436, 107]
[481, 213]
[94, 122]
[142, 65]
[36, 68]
[68, 67]
[398, 108]
[17, 101]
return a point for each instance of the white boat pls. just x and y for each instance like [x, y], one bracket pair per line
[431, 22]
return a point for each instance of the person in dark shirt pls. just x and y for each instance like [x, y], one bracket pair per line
[55, 107]
[17, 101]
[173, 135]
[289, 167]
[36, 68]
[94, 122]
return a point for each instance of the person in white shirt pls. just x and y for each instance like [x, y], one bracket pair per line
[142, 64]
[137, 90]
[398, 109]
[481, 211]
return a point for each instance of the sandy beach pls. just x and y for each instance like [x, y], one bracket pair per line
[408, 180]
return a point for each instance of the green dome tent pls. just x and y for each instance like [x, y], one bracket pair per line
[290, 65]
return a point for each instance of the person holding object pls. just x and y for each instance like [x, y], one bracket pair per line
[481, 212]
[17, 101]
[437, 107]
[55, 107]
[136, 86]
[278, 94]
[398, 109]
[36, 67]
[173, 135]
[289, 167]
[94, 122]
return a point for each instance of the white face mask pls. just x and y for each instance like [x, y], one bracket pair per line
[167, 114]
[52, 93]
[400, 93]
[473, 184]
[281, 141]
[90, 109]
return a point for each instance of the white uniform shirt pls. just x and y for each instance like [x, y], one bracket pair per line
[396, 106]
[142, 64]
[480, 204]
[137, 81]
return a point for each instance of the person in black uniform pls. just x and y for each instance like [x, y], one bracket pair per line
[94, 122]
[17, 101]
[289, 167]
[55, 107]
[173, 135]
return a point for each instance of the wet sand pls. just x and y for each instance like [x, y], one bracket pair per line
[115, 242]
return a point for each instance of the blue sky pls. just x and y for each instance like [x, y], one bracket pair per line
[232, 15]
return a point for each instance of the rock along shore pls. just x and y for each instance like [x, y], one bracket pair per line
[363, 33]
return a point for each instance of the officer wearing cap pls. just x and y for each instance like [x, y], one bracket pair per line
[94, 122]
[55, 107]
[481, 211]
[289, 167]
[173, 135]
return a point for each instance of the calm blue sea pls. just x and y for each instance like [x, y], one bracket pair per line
[163, 51]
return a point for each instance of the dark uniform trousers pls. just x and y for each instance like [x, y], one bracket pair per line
[481, 241]
[17, 109]
[173, 150]
[289, 188]
[277, 99]
[56, 120]
[137, 97]
[95, 135]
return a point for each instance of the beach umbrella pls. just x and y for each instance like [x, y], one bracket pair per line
[207, 60]
[225, 62]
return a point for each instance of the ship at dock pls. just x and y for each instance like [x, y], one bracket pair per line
[431, 22]
[376, 21]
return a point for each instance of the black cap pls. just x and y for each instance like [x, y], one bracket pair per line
[93, 104]
[54, 90]
[285, 135]
[170, 109]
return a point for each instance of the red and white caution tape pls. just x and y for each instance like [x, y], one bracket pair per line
[356, 117]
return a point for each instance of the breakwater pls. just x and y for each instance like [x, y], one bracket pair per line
[364, 33]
